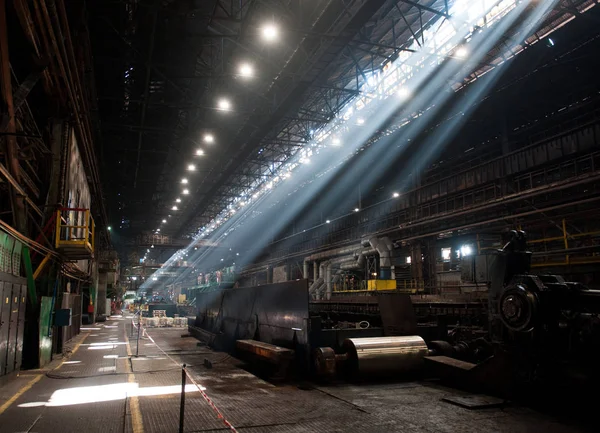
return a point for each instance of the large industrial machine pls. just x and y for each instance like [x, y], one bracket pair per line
[532, 332]
[542, 336]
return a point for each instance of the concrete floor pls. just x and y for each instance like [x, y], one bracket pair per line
[102, 388]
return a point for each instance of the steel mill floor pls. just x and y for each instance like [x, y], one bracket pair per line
[103, 387]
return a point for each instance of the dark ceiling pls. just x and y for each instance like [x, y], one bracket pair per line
[163, 66]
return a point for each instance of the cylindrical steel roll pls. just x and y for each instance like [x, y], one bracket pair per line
[385, 355]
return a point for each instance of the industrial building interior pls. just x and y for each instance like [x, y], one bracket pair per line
[299, 215]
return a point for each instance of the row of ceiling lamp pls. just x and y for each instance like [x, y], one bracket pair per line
[270, 33]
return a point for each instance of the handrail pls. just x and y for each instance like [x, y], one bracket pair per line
[76, 234]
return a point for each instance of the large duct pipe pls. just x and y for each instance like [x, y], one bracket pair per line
[384, 247]
[305, 270]
[344, 251]
[329, 281]
[322, 266]
[358, 260]
[315, 271]
[314, 286]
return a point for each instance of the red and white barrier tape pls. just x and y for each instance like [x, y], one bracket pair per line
[202, 393]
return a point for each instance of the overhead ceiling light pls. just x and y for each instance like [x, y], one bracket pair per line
[403, 93]
[270, 32]
[356, 209]
[360, 121]
[209, 138]
[154, 279]
[184, 181]
[461, 52]
[109, 228]
[199, 152]
[191, 167]
[224, 104]
[328, 221]
[174, 208]
[157, 230]
[336, 141]
[246, 70]
[396, 195]
[178, 200]
[186, 191]
[164, 221]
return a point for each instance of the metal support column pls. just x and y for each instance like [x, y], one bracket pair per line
[10, 140]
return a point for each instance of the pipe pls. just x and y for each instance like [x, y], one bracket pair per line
[314, 286]
[332, 253]
[305, 269]
[329, 281]
[384, 247]
[322, 266]
[315, 271]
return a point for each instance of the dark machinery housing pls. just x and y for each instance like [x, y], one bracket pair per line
[542, 332]
[534, 330]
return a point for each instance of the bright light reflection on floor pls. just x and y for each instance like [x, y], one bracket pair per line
[107, 342]
[90, 329]
[111, 356]
[71, 362]
[102, 393]
[105, 347]
[107, 369]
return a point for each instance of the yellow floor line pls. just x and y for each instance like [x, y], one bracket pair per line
[136, 413]
[36, 379]
[22, 391]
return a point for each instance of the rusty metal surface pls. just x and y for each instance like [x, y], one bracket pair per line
[324, 360]
[265, 351]
[450, 362]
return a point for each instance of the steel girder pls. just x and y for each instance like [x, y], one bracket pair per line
[376, 41]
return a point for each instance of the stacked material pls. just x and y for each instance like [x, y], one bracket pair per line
[166, 322]
[152, 322]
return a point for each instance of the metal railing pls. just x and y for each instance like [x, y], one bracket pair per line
[75, 227]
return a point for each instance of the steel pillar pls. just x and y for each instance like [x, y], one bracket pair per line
[10, 140]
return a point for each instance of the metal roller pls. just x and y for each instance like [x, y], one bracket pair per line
[384, 355]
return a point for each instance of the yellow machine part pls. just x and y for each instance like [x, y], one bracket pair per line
[381, 285]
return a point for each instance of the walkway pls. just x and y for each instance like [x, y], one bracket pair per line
[101, 387]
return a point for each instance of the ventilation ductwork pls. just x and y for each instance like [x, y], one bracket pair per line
[384, 247]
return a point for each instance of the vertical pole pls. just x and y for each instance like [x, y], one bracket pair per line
[564, 228]
[182, 404]
[137, 347]
[10, 140]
